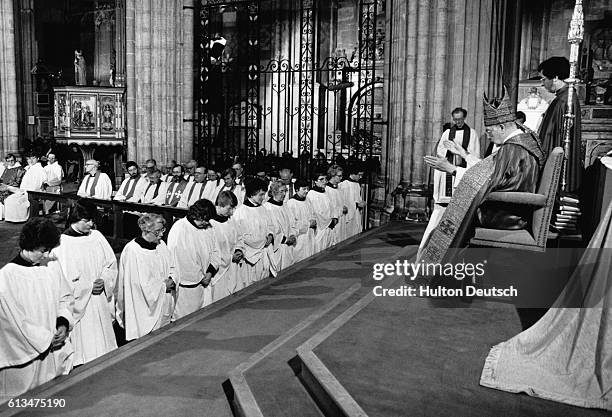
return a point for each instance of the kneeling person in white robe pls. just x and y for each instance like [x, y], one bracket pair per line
[146, 287]
[90, 266]
[193, 243]
[304, 218]
[229, 246]
[326, 214]
[255, 228]
[281, 253]
[351, 190]
[35, 314]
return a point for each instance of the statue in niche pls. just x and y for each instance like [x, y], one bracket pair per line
[79, 68]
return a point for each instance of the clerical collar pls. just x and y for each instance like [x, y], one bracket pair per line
[298, 198]
[70, 231]
[318, 189]
[19, 260]
[177, 179]
[145, 244]
[249, 203]
[329, 184]
[220, 218]
[464, 127]
[190, 220]
[274, 202]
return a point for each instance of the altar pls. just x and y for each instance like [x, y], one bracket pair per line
[93, 119]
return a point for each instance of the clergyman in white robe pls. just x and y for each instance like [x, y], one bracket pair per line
[32, 298]
[254, 225]
[324, 212]
[143, 305]
[337, 205]
[351, 191]
[97, 185]
[17, 205]
[196, 255]
[280, 254]
[225, 282]
[440, 197]
[302, 214]
[85, 258]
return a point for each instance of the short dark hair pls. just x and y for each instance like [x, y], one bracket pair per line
[38, 233]
[33, 155]
[178, 166]
[227, 198]
[151, 160]
[129, 164]
[318, 174]
[253, 185]
[9, 155]
[459, 110]
[299, 183]
[229, 171]
[201, 210]
[521, 115]
[556, 66]
[83, 209]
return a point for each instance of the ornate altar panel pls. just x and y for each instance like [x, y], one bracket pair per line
[89, 115]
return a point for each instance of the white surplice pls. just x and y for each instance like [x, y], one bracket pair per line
[84, 259]
[195, 251]
[302, 213]
[211, 190]
[31, 300]
[351, 191]
[338, 204]
[280, 255]
[143, 305]
[254, 225]
[155, 193]
[16, 206]
[193, 192]
[227, 238]
[324, 211]
[139, 184]
[103, 189]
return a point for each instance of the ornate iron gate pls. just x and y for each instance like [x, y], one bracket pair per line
[271, 78]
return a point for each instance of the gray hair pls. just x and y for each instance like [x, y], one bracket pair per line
[148, 220]
[274, 187]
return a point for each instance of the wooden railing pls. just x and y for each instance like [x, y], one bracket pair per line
[112, 209]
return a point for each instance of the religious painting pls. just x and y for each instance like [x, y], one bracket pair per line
[63, 117]
[83, 112]
[107, 114]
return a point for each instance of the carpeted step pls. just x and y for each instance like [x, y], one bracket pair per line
[266, 384]
[392, 356]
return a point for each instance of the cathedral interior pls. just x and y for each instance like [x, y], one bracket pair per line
[372, 81]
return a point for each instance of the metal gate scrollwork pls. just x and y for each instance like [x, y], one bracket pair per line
[270, 77]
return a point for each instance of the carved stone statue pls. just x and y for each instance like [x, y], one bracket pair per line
[79, 68]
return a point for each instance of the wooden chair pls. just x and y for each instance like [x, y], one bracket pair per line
[533, 239]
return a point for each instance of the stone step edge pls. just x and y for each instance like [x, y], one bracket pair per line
[327, 392]
[240, 395]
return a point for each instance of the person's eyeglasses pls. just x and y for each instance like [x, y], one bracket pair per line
[159, 232]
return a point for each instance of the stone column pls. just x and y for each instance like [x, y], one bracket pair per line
[120, 43]
[104, 21]
[8, 81]
[130, 65]
[444, 54]
[26, 58]
[187, 66]
[155, 58]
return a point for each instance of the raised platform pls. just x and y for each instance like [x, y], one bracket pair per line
[399, 356]
[179, 370]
